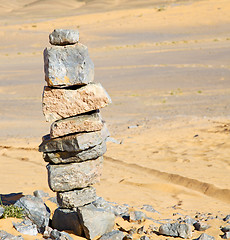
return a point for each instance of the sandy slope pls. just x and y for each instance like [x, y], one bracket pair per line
[166, 67]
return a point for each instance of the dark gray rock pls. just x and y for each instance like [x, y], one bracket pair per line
[26, 227]
[66, 219]
[7, 236]
[67, 66]
[225, 229]
[74, 143]
[35, 210]
[66, 177]
[95, 222]
[114, 235]
[71, 157]
[128, 237]
[205, 236]
[199, 226]
[40, 194]
[137, 216]
[2, 209]
[226, 235]
[176, 230]
[149, 208]
[76, 198]
[63, 37]
[227, 218]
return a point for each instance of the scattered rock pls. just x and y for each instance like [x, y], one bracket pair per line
[71, 157]
[101, 203]
[176, 230]
[35, 210]
[40, 194]
[76, 198]
[88, 122]
[225, 229]
[151, 229]
[137, 216]
[26, 227]
[113, 140]
[149, 208]
[128, 237]
[63, 103]
[142, 230]
[114, 235]
[95, 222]
[199, 226]
[67, 219]
[205, 236]
[56, 235]
[2, 209]
[74, 143]
[226, 235]
[189, 220]
[227, 218]
[47, 232]
[68, 66]
[63, 37]
[133, 126]
[66, 177]
[144, 238]
[7, 236]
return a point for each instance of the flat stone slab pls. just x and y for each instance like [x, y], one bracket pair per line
[59, 103]
[63, 37]
[71, 157]
[67, 66]
[81, 123]
[74, 143]
[76, 198]
[66, 177]
[95, 222]
[176, 230]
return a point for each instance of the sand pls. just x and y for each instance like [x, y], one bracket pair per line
[166, 67]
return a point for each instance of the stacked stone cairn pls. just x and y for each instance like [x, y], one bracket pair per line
[77, 141]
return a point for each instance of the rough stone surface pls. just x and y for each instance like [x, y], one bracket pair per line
[65, 177]
[40, 193]
[199, 226]
[114, 235]
[137, 216]
[81, 123]
[66, 219]
[35, 210]
[63, 37]
[205, 236]
[7, 236]
[26, 227]
[227, 218]
[74, 143]
[63, 103]
[57, 235]
[70, 157]
[76, 198]
[176, 230]
[226, 235]
[95, 222]
[68, 65]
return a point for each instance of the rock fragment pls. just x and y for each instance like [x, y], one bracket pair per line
[176, 230]
[26, 227]
[82, 123]
[68, 65]
[63, 103]
[74, 143]
[76, 198]
[225, 229]
[226, 235]
[205, 236]
[66, 177]
[137, 216]
[199, 226]
[226, 218]
[64, 37]
[40, 194]
[7, 236]
[71, 157]
[95, 222]
[114, 235]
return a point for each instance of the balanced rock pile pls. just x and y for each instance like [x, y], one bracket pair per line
[76, 142]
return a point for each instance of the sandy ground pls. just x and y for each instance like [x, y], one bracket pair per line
[165, 65]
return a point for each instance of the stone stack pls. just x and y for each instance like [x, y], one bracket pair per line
[75, 146]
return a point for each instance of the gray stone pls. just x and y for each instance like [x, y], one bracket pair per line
[59, 103]
[35, 210]
[225, 229]
[63, 37]
[68, 65]
[176, 230]
[101, 203]
[199, 226]
[66, 177]
[227, 218]
[7, 236]
[81, 123]
[144, 238]
[114, 235]
[95, 222]
[67, 219]
[76, 198]
[26, 227]
[71, 157]
[205, 236]
[128, 237]
[149, 208]
[57, 235]
[226, 235]
[47, 232]
[137, 216]
[2, 209]
[74, 143]
[189, 220]
[40, 193]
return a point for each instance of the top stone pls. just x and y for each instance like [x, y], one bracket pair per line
[64, 37]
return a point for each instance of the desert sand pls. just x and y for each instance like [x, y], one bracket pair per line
[166, 67]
